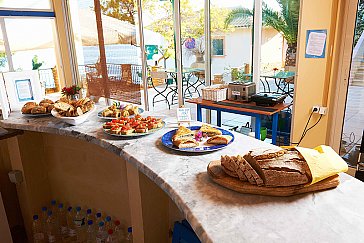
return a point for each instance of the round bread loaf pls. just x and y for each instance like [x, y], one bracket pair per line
[27, 108]
[50, 107]
[46, 101]
[39, 110]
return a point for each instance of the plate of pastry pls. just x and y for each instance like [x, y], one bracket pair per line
[33, 109]
[199, 139]
[118, 110]
[133, 126]
[73, 112]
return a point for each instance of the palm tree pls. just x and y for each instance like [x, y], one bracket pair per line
[285, 21]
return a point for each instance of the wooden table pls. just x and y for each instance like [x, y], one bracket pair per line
[249, 109]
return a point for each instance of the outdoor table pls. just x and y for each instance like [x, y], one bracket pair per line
[248, 109]
[279, 79]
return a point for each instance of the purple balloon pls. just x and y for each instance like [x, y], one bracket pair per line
[190, 43]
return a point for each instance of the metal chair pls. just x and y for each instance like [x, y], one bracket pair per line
[160, 79]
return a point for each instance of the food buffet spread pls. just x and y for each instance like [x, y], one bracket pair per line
[238, 158]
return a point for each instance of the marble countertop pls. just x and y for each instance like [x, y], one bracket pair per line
[215, 213]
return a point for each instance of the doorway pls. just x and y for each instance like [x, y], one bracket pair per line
[353, 123]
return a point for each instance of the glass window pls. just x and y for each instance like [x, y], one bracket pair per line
[352, 133]
[26, 4]
[121, 47]
[218, 47]
[37, 52]
[3, 60]
[231, 33]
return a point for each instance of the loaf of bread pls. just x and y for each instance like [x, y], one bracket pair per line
[27, 108]
[38, 110]
[269, 167]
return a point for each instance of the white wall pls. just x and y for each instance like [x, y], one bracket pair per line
[238, 50]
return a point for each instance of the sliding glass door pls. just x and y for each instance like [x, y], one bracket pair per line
[353, 127]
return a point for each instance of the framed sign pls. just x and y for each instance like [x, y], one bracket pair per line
[316, 43]
[184, 115]
[22, 87]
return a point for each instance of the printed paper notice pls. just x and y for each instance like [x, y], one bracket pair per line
[184, 115]
[24, 90]
[316, 44]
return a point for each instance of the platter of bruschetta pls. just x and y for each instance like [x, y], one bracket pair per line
[133, 126]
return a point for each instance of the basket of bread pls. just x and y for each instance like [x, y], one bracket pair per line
[279, 172]
[118, 110]
[73, 112]
[43, 108]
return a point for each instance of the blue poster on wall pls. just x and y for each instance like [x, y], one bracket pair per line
[151, 50]
[316, 43]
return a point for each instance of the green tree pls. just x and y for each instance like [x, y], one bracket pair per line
[3, 59]
[192, 21]
[359, 22]
[119, 9]
[285, 21]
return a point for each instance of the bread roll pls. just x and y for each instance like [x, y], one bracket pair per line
[219, 139]
[39, 110]
[27, 107]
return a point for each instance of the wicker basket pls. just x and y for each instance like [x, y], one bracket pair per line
[214, 93]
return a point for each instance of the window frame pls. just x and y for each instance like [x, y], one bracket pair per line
[223, 46]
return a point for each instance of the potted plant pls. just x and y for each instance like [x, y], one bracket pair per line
[196, 48]
[72, 92]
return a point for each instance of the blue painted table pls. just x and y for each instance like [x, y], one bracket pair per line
[249, 109]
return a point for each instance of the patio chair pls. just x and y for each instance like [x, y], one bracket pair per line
[200, 81]
[160, 83]
[119, 84]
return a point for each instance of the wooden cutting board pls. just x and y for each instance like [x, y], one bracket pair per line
[218, 175]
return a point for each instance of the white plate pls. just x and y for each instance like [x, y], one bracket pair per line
[36, 115]
[133, 135]
[99, 115]
[73, 120]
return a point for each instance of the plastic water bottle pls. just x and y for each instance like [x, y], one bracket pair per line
[54, 210]
[38, 234]
[90, 233]
[44, 216]
[72, 233]
[110, 238]
[108, 223]
[62, 222]
[129, 237]
[118, 232]
[89, 215]
[53, 206]
[98, 218]
[51, 227]
[101, 234]
[79, 221]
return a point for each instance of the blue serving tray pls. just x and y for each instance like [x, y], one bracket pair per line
[167, 141]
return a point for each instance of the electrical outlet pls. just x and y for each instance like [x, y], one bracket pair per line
[319, 109]
[315, 109]
[323, 110]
